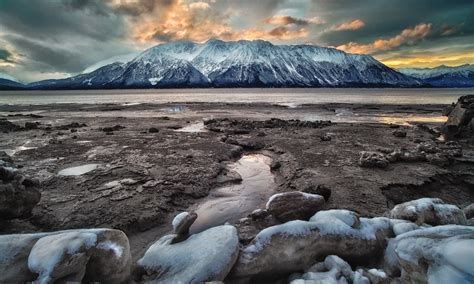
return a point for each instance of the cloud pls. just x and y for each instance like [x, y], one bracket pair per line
[349, 26]
[281, 20]
[6, 57]
[199, 5]
[409, 36]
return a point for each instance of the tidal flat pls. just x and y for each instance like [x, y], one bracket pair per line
[133, 167]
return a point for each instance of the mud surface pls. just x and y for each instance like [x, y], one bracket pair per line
[141, 164]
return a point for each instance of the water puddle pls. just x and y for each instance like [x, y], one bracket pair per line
[174, 109]
[77, 171]
[230, 203]
[194, 128]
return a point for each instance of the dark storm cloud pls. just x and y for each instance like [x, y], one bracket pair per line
[6, 56]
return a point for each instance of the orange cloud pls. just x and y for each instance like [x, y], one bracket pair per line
[197, 21]
[281, 20]
[349, 26]
[408, 36]
[429, 60]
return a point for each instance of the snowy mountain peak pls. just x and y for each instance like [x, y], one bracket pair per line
[258, 63]
[444, 76]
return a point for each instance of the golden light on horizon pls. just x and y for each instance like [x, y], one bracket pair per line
[431, 60]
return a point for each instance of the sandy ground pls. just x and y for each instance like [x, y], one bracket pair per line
[141, 178]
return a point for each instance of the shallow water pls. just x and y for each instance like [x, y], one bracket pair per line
[230, 203]
[77, 171]
[287, 97]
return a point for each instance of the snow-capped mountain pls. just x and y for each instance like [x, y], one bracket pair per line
[444, 76]
[116, 59]
[258, 63]
[9, 82]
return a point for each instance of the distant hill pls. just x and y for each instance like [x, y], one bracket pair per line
[444, 76]
[6, 84]
[217, 63]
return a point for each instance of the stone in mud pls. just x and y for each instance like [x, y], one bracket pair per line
[428, 147]
[153, 130]
[332, 270]
[319, 189]
[325, 137]
[372, 160]
[294, 205]
[18, 194]
[206, 256]
[5, 159]
[441, 254]
[295, 245]
[399, 133]
[181, 224]
[440, 159]
[432, 211]
[89, 255]
[113, 128]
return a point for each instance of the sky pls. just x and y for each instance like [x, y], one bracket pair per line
[45, 39]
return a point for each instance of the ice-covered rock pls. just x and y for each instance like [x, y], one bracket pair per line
[469, 211]
[206, 256]
[294, 205]
[88, 255]
[372, 160]
[181, 224]
[295, 245]
[441, 254]
[432, 211]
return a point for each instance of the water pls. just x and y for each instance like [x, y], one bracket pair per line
[230, 203]
[77, 171]
[193, 128]
[284, 97]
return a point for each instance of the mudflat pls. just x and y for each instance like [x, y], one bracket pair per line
[134, 166]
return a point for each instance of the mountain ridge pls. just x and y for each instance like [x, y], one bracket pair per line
[443, 76]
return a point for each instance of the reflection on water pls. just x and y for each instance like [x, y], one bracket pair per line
[409, 119]
[289, 97]
[174, 109]
[230, 203]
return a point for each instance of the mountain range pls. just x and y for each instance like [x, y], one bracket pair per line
[217, 63]
[443, 76]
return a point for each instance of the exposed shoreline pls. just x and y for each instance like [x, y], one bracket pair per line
[144, 178]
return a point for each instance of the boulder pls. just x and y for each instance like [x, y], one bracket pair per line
[89, 255]
[18, 194]
[460, 117]
[296, 245]
[8, 126]
[294, 205]
[153, 130]
[319, 189]
[432, 211]
[372, 160]
[31, 125]
[442, 254]
[206, 256]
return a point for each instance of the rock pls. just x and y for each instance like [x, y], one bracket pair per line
[275, 165]
[31, 125]
[246, 144]
[7, 126]
[295, 245]
[5, 159]
[18, 194]
[113, 128]
[332, 270]
[442, 254]
[206, 256]
[460, 117]
[294, 205]
[440, 159]
[432, 211]
[325, 137]
[319, 189]
[376, 276]
[469, 211]
[89, 255]
[372, 160]
[181, 224]
[153, 130]
[428, 147]
[399, 133]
